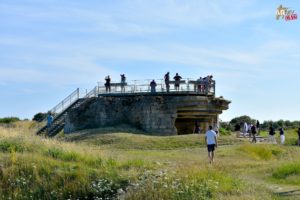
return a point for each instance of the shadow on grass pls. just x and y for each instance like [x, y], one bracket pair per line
[122, 128]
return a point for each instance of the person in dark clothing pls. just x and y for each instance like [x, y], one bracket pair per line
[167, 81]
[177, 79]
[197, 128]
[123, 82]
[253, 132]
[271, 135]
[153, 86]
[257, 127]
[237, 129]
[107, 84]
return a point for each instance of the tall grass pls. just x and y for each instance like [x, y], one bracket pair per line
[39, 168]
[261, 151]
[288, 173]
[130, 166]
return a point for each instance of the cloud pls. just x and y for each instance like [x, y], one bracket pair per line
[132, 17]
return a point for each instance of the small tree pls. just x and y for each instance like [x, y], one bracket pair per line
[241, 119]
[39, 117]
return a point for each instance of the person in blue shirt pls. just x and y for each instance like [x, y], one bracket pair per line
[49, 119]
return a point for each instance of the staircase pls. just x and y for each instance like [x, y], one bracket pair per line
[59, 121]
[61, 111]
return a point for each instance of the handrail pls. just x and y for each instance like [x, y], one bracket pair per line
[92, 93]
[64, 104]
[60, 107]
[140, 86]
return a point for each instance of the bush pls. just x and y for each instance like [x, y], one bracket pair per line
[8, 120]
[288, 174]
[261, 152]
[287, 170]
[224, 131]
[39, 117]
[63, 155]
[9, 146]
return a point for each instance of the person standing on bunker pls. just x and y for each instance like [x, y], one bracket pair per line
[167, 81]
[153, 86]
[123, 82]
[177, 79]
[107, 84]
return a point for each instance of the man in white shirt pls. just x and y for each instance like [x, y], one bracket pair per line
[211, 142]
[245, 129]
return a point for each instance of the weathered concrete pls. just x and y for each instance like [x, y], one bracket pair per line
[164, 115]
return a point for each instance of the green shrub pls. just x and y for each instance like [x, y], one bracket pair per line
[224, 131]
[9, 146]
[62, 155]
[261, 152]
[287, 170]
[39, 117]
[8, 120]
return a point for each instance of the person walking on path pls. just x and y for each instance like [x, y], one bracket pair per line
[257, 127]
[299, 136]
[282, 137]
[167, 81]
[245, 129]
[211, 142]
[153, 86]
[237, 129]
[253, 132]
[271, 135]
[107, 84]
[177, 79]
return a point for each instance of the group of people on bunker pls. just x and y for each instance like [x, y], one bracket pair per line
[177, 79]
[203, 84]
[108, 83]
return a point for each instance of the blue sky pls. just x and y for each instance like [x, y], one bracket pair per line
[48, 48]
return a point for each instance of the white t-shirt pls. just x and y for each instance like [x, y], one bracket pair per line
[210, 137]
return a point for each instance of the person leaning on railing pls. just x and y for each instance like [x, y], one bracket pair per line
[123, 82]
[201, 85]
[207, 83]
[177, 79]
[153, 85]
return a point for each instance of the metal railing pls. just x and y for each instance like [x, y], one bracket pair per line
[61, 106]
[64, 104]
[143, 86]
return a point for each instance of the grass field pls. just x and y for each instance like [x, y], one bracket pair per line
[126, 165]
